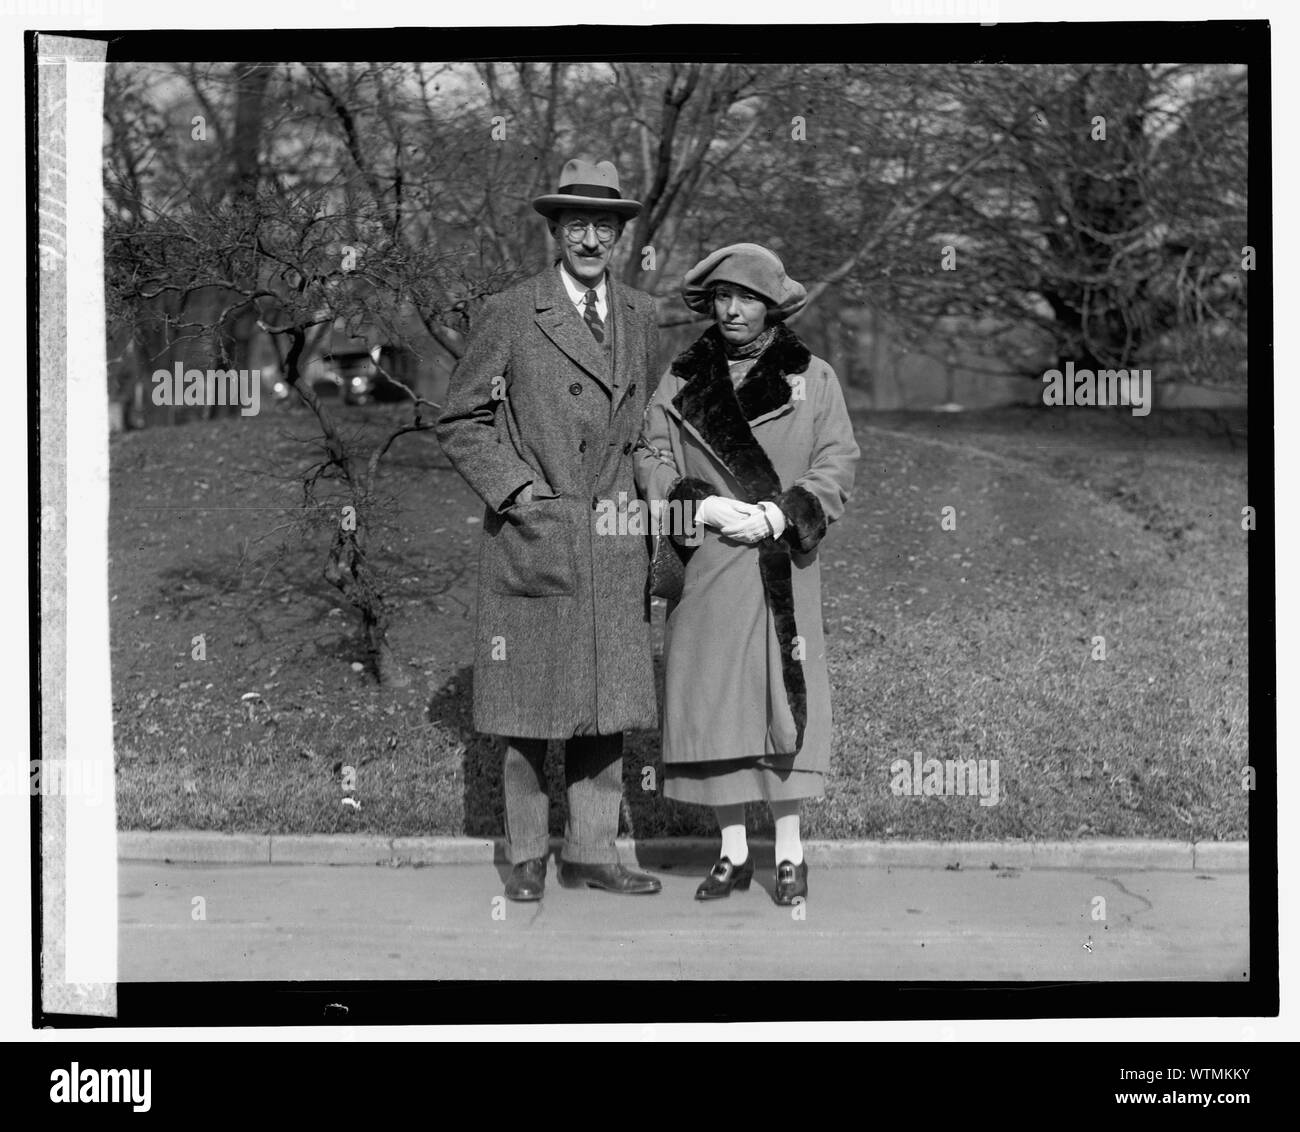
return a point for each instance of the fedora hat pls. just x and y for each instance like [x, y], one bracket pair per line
[751, 266]
[584, 185]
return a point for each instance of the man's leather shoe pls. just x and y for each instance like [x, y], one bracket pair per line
[527, 880]
[723, 877]
[612, 878]
[791, 882]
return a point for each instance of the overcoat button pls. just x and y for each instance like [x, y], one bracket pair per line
[575, 388]
[582, 446]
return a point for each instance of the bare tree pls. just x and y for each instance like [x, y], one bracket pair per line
[190, 262]
[1091, 212]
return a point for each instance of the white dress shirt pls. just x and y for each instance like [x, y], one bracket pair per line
[578, 293]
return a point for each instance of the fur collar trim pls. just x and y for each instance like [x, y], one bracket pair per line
[764, 390]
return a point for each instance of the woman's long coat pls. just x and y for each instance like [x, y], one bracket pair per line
[745, 655]
[563, 633]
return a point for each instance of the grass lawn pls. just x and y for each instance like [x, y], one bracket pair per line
[973, 643]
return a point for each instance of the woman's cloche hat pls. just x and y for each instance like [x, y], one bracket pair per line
[746, 265]
[584, 185]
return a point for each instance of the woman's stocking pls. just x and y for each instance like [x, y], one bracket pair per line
[731, 820]
[788, 846]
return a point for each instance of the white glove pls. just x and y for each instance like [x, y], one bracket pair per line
[719, 512]
[751, 529]
[775, 516]
[766, 522]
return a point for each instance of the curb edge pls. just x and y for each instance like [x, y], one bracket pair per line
[206, 847]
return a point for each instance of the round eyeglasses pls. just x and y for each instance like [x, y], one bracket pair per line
[577, 230]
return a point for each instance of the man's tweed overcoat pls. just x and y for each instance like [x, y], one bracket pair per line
[563, 631]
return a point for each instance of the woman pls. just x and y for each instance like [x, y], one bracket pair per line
[750, 431]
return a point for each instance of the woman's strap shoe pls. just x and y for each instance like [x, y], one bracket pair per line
[791, 882]
[723, 877]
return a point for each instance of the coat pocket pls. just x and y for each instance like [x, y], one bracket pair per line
[532, 553]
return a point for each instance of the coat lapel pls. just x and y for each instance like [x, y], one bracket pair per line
[559, 320]
[629, 340]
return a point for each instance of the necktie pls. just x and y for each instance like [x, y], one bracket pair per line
[591, 317]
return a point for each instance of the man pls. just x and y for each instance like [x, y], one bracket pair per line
[542, 416]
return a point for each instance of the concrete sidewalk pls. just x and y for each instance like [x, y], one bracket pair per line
[862, 921]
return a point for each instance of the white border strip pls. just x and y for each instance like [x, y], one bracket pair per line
[91, 876]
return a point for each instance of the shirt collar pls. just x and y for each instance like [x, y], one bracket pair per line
[578, 291]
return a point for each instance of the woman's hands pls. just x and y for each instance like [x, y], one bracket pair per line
[744, 522]
[719, 512]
